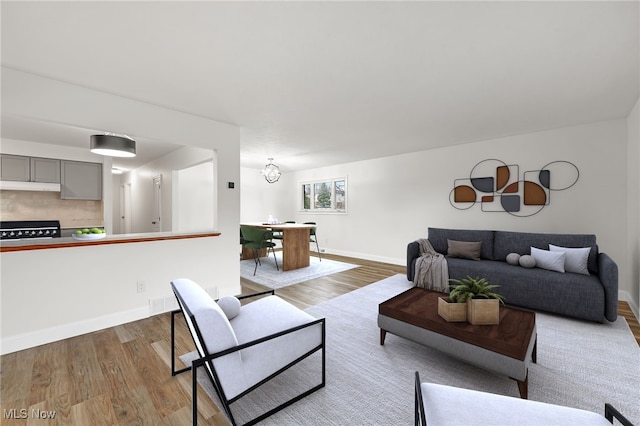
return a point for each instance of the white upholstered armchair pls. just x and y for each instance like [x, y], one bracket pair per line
[244, 347]
[437, 405]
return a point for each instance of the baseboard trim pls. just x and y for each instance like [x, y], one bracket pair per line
[391, 260]
[65, 331]
[626, 296]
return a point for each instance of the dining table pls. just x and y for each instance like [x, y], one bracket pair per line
[295, 242]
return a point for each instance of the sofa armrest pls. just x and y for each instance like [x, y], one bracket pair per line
[413, 252]
[608, 274]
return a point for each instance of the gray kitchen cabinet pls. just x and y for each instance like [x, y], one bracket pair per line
[15, 167]
[29, 169]
[45, 170]
[80, 180]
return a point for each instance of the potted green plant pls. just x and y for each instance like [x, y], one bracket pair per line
[483, 303]
[452, 311]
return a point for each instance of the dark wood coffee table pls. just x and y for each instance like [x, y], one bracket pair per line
[507, 348]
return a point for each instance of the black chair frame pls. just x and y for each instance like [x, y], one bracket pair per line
[213, 376]
[420, 419]
[313, 238]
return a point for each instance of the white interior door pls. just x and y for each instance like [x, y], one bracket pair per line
[156, 224]
[125, 208]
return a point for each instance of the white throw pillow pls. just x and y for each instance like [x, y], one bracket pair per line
[230, 306]
[551, 260]
[575, 260]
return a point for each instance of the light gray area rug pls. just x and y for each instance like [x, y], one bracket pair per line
[580, 364]
[269, 276]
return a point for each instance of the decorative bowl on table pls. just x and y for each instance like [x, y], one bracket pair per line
[89, 234]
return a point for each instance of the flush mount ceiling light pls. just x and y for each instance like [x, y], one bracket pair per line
[113, 145]
[116, 171]
[271, 172]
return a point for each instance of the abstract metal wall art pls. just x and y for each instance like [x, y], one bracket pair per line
[497, 187]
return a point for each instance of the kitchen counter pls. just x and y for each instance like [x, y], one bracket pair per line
[35, 244]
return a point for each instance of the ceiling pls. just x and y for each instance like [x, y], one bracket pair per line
[320, 83]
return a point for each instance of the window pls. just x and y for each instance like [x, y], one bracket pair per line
[328, 195]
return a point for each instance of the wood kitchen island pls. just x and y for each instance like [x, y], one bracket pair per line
[35, 244]
[58, 288]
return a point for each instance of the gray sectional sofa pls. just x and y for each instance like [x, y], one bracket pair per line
[591, 297]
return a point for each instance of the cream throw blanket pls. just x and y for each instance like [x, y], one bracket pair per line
[432, 271]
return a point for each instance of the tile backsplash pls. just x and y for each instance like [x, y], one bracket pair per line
[37, 205]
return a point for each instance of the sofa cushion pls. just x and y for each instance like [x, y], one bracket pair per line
[506, 242]
[580, 296]
[464, 249]
[550, 260]
[576, 259]
[438, 238]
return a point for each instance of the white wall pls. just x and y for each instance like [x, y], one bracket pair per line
[56, 293]
[259, 198]
[194, 208]
[633, 195]
[141, 180]
[393, 200]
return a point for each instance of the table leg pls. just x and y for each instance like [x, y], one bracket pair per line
[523, 387]
[295, 248]
[383, 334]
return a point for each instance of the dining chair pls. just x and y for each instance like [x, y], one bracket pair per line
[257, 239]
[313, 237]
[241, 242]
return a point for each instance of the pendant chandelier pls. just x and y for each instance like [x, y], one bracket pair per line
[271, 172]
[113, 145]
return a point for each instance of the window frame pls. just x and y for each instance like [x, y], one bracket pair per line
[312, 196]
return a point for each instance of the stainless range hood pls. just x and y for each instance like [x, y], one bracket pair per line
[11, 185]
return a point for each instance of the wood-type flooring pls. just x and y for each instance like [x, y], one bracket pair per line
[121, 375]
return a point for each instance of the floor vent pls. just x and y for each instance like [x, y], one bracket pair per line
[167, 304]
[162, 304]
[213, 292]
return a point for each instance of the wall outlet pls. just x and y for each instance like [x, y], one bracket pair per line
[141, 286]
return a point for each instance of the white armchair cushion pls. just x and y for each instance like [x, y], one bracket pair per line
[446, 405]
[215, 329]
[267, 316]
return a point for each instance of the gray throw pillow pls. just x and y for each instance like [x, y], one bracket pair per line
[513, 259]
[464, 249]
[527, 261]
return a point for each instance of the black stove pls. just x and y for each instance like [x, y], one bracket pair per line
[29, 229]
